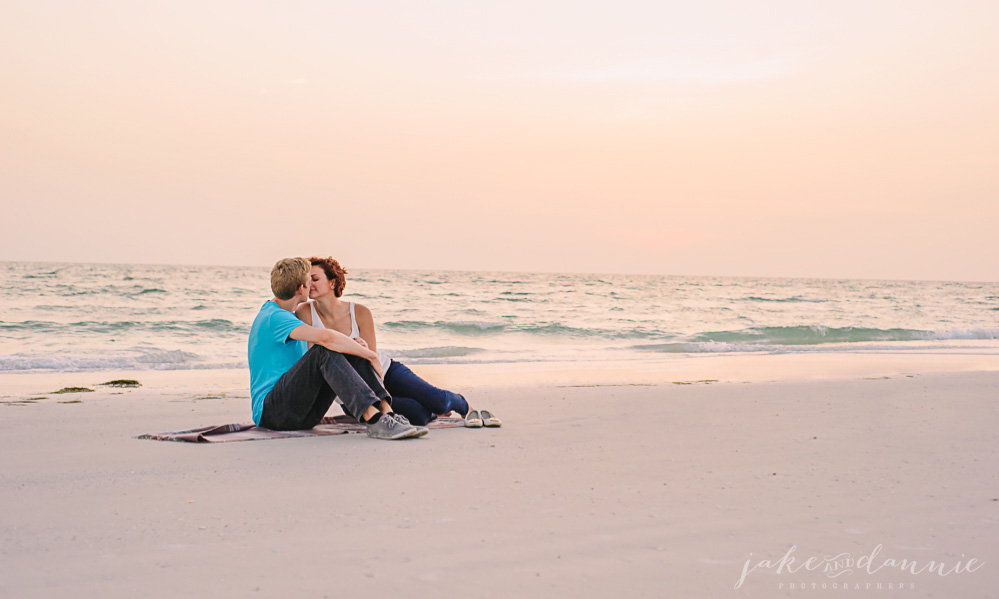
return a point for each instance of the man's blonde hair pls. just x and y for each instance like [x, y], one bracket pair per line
[288, 275]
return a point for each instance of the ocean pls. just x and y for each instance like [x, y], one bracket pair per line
[102, 317]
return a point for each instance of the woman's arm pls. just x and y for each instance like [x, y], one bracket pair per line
[366, 326]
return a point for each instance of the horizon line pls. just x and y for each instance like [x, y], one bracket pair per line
[533, 272]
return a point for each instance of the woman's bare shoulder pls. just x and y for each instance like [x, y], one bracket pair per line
[304, 312]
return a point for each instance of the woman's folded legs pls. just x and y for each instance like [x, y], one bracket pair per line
[412, 410]
[401, 382]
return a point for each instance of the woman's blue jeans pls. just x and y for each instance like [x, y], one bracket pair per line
[418, 400]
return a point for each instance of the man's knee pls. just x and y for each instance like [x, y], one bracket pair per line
[324, 353]
[329, 360]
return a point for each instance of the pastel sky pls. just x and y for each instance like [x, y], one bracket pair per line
[768, 138]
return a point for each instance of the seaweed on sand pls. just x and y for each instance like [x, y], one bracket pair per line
[122, 383]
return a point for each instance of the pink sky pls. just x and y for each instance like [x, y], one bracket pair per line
[822, 139]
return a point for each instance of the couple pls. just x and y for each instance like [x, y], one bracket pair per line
[292, 387]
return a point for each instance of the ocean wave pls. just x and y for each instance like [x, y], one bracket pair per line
[972, 333]
[796, 298]
[214, 325]
[555, 329]
[27, 325]
[542, 329]
[468, 327]
[41, 275]
[434, 352]
[817, 334]
[705, 347]
[801, 338]
[717, 347]
[131, 359]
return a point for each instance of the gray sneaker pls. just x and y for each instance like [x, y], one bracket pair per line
[421, 431]
[391, 429]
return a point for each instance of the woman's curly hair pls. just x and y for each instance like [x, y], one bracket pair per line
[334, 272]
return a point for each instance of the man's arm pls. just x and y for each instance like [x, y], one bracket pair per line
[333, 340]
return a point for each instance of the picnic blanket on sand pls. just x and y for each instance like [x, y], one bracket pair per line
[335, 425]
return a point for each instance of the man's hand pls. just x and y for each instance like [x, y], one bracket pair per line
[332, 340]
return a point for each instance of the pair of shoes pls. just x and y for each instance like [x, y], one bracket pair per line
[390, 428]
[481, 418]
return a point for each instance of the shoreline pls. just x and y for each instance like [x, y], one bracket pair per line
[681, 369]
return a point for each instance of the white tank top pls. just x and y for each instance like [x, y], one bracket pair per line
[354, 331]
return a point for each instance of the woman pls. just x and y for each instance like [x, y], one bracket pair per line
[414, 398]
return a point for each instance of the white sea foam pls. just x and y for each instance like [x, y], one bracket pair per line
[972, 333]
[434, 352]
[136, 359]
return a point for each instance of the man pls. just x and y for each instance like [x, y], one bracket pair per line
[291, 388]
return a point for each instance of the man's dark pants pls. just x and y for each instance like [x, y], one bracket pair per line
[302, 395]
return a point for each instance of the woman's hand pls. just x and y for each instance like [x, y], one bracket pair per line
[375, 362]
[377, 365]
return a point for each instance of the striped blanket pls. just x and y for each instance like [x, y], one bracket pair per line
[335, 425]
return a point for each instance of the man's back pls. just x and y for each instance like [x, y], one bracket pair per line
[270, 351]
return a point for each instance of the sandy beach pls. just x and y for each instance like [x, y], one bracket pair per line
[612, 482]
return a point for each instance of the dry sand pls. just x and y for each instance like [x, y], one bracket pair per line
[603, 482]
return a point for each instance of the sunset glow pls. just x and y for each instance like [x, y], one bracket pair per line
[838, 139]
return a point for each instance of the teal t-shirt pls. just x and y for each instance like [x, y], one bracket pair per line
[271, 352]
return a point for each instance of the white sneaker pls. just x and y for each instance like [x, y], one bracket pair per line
[390, 429]
[421, 431]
